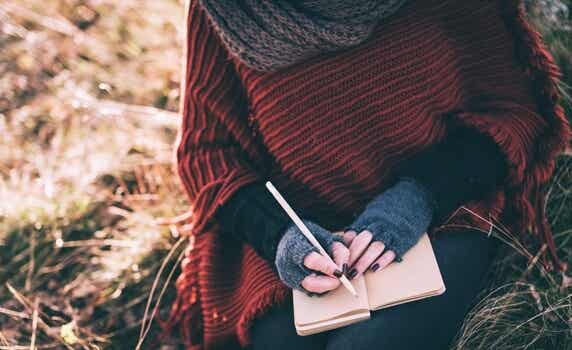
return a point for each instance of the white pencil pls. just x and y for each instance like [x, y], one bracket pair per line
[306, 232]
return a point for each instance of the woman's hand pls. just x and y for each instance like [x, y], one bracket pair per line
[390, 224]
[366, 253]
[301, 267]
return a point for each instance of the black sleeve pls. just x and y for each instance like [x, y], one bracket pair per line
[465, 166]
[253, 215]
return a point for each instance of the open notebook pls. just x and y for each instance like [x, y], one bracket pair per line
[416, 277]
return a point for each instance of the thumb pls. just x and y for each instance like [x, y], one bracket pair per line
[317, 262]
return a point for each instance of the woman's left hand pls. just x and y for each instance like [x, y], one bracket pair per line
[389, 225]
[366, 253]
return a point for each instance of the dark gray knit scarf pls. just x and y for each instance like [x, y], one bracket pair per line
[271, 34]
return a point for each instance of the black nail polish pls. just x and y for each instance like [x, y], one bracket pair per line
[344, 268]
[374, 267]
[338, 273]
[352, 273]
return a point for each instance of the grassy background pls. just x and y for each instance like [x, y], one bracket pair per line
[88, 192]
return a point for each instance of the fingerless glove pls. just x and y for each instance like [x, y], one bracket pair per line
[398, 216]
[293, 248]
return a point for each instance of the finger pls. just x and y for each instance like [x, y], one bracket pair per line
[341, 255]
[372, 252]
[358, 246]
[349, 236]
[318, 262]
[385, 259]
[320, 284]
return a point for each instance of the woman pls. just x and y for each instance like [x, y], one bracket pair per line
[378, 120]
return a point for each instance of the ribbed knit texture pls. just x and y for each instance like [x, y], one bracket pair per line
[466, 166]
[329, 133]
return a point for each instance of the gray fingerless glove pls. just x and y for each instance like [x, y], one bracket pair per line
[398, 216]
[293, 248]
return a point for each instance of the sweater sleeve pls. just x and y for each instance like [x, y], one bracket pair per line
[465, 166]
[216, 153]
[252, 215]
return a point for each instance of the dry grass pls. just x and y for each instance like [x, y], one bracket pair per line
[88, 91]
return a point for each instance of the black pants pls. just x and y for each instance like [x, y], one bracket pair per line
[464, 258]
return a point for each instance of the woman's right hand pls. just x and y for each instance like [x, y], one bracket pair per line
[300, 265]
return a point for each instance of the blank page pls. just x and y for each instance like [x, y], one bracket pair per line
[416, 276]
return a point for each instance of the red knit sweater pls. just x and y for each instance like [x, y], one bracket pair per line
[330, 132]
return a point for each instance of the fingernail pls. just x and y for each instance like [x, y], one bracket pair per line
[352, 273]
[338, 273]
[374, 267]
[344, 268]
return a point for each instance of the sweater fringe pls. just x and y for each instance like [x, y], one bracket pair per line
[274, 295]
[521, 205]
[544, 74]
[186, 313]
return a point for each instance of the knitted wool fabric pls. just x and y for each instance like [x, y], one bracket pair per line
[268, 35]
[330, 132]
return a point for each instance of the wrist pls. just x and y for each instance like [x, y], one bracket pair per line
[399, 216]
[409, 185]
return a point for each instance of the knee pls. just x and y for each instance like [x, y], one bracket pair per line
[431, 336]
[430, 323]
[275, 330]
[270, 332]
